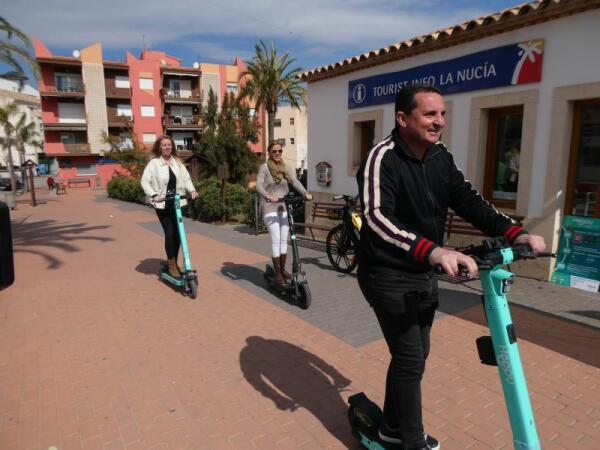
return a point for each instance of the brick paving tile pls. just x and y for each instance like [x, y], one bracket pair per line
[97, 353]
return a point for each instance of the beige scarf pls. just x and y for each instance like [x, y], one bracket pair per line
[278, 171]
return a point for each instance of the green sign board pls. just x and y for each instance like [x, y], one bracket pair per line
[578, 257]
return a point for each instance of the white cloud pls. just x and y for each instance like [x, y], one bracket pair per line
[314, 26]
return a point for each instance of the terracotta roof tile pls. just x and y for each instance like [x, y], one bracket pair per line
[518, 16]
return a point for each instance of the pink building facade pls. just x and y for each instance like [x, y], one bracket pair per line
[86, 99]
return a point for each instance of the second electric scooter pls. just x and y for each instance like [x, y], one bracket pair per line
[298, 288]
[189, 279]
[500, 350]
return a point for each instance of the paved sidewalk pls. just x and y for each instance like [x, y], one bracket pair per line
[97, 353]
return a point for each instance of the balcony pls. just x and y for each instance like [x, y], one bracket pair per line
[115, 92]
[73, 90]
[193, 122]
[119, 121]
[177, 96]
[65, 126]
[78, 149]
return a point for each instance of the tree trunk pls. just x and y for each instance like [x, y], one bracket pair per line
[11, 169]
[22, 164]
[271, 116]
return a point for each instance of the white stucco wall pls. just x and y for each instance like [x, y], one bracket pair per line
[571, 56]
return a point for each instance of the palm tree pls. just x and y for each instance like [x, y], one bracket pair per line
[270, 81]
[10, 53]
[25, 134]
[9, 139]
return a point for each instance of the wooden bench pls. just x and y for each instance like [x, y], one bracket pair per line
[71, 181]
[320, 211]
[457, 225]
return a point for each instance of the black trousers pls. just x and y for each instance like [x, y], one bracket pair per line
[168, 220]
[405, 305]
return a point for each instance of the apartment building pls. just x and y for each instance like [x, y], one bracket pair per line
[291, 131]
[28, 102]
[85, 98]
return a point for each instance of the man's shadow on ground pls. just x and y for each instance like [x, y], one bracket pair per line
[295, 378]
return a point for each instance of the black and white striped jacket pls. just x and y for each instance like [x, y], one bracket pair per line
[405, 201]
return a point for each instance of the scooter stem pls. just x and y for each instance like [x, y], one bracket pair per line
[496, 283]
[187, 264]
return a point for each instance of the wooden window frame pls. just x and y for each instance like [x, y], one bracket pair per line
[578, 106]
[491, 151]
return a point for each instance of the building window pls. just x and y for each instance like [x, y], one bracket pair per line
[364, 139]
[66, 82]
[149, 138]
[147, 111]
[124, 110]
[503, 152]
[65, 163]
[291, 121]
[583, 183]
[292, 141]
[146, 83]
[277, 123]
[86, 169]
[232, 87]
[121, 81]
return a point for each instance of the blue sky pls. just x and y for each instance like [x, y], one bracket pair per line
[314, 32]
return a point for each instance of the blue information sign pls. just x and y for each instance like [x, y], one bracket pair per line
[501, 66]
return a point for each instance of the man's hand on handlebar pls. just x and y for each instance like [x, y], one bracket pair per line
[193, 195]
[308, 196]
[158, 199]
[273, 198]
[451, 260]
[534, 241]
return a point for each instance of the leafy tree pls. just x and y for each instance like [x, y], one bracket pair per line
[11, 53]
[25, 134]
[7, 113]
[269, 81]
[130, 154]
[226, 137]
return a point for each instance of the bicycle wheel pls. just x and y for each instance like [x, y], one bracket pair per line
[340, 249]
[305, 298]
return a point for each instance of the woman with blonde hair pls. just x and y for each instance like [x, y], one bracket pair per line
[272, 184]
[165, 174]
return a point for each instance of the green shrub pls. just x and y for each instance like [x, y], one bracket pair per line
[208, 206]
[126, 189]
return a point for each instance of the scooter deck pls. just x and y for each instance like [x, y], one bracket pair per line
[164, 274]
[365, 418]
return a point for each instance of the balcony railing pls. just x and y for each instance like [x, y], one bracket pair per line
[193, 121]
[73, 90]
[116, 92]
[177, 96]
[119, 121]
[77, 149]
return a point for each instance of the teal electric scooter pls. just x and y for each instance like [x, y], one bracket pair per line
[189, 279]
[499, 350]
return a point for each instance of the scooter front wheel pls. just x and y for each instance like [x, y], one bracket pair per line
[192, 287]
[304, 298]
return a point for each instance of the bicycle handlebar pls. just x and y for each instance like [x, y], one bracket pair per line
[288, 198]
[172, 196]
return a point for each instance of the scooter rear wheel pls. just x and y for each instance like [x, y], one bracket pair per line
[192, 287]
[304, 299]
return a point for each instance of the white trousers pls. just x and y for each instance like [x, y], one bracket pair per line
[277, 224]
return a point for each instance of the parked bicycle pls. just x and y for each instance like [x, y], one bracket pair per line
[343, 239]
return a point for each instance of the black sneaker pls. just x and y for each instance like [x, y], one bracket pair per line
[393, 437]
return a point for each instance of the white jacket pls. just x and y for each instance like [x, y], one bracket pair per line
[156, 177]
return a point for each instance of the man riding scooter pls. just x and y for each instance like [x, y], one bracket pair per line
[406, 183]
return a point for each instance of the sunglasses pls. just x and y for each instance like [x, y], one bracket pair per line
[276, 152]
